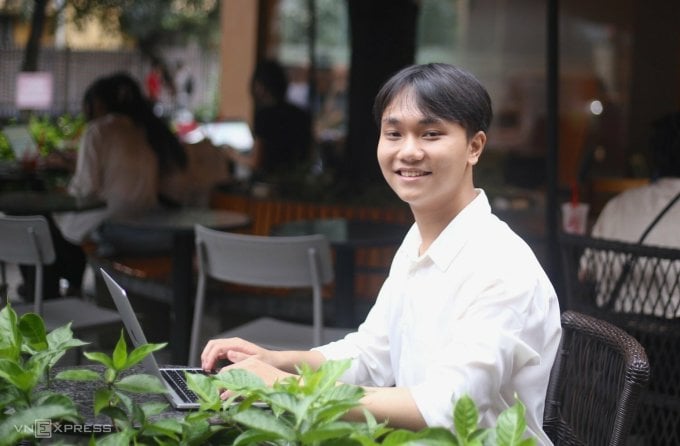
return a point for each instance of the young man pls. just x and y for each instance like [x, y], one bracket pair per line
[466, 308]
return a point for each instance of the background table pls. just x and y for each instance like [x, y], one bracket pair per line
[346, 236]
[45, 202]
[178, 224]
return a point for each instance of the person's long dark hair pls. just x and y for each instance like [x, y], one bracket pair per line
[120, 93]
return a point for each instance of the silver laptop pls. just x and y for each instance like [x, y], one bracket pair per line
[178, 394]
[21, 141]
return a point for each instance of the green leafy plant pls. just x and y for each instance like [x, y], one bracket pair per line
[6, 152]
[307, 409]
[50, 134]
[56, 134]
[112, 397]
[27, 353]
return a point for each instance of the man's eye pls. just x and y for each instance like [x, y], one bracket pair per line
[431, 134]
[392, 134]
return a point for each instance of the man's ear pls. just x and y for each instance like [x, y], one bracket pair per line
[476, 145]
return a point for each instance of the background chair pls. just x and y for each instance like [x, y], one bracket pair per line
[595, 383]
[27, 241]
[295, 262]
[637, 288]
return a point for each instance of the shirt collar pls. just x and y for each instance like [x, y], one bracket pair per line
[453, 238]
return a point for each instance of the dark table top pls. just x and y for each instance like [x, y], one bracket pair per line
[45, 202]
[343, 232]
[183, 220]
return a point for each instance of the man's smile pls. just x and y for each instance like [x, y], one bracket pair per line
[411, 173]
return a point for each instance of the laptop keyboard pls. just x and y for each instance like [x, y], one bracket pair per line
[178, 383]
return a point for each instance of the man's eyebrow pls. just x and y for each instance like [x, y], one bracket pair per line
[390, 120]
[425, 120]
[430, 120]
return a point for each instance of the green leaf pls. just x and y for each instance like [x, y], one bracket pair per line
[333, 411]
[399, 437]
[511, 425]
[141, 352]
[168, 427]
[120, 356]
[239, 379]
[99, 357]
[465, 417]
[128, 403]
[32, 328]
[110, 375]
[138, 416]
[151, 409]
[10, 338]
[436, 436]
[197, 430]
[203, 386]
[265, 422]
[55, 399]
[255, 437]
[17, 427]
[118, 415]
[9, 395]
[102, 398]
[122, 438]
[79, 375]
[24, 380]
[141, 383]
[288, 402]
[327, 432]
[62, 338]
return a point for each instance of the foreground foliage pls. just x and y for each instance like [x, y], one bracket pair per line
[304, 410]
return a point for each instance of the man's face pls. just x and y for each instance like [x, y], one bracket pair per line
[427, 161]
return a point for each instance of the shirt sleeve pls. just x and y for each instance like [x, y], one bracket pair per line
[368, 347]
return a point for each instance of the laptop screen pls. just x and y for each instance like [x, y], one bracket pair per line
[21, 141]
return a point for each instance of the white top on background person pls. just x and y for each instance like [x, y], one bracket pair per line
[116, 164]
[626, 216]
[124, 155]
[466, 307]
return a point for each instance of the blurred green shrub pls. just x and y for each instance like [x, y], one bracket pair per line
[51, 134]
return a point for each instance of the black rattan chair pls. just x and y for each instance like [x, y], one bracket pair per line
[595, 383]
[637, 288]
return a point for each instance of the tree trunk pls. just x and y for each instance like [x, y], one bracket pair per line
[32, 50]
[383, 34]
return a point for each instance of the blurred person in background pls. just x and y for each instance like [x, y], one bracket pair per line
[282, 131]
[124, 154]
[626, 216]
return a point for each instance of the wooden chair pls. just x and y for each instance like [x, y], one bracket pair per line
[595, 383]
[27, 241]
[637, 288]
[263, 261]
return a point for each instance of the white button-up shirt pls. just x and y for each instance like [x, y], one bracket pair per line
[476, 314]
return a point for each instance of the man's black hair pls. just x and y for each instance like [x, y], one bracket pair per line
[443, 91]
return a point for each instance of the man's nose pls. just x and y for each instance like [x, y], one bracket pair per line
[410, 149]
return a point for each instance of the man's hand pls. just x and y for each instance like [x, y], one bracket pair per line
[235, 350]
